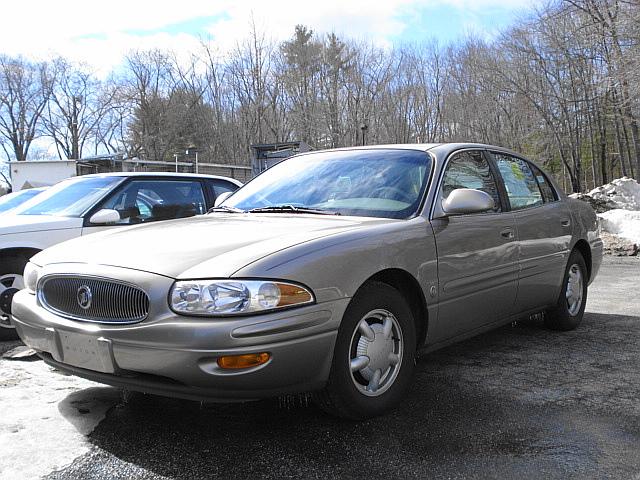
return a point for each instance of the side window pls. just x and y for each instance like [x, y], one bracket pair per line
[470, 170]
[548, 194]
[152, 200]
[519, 181]
[218, 187]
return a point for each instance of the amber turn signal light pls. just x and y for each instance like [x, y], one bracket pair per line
[292, 295]
[233, 362]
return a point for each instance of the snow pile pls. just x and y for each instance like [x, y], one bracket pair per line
[624, 223]
[617, 205]
[45, 417]
[621, 193]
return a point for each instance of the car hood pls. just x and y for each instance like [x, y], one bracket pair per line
[215, 245]
[11, 224]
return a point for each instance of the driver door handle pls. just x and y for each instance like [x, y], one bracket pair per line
[507, 233]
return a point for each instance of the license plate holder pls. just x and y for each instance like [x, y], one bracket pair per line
[87, 351]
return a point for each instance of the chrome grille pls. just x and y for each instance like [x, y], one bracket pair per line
[110, 301]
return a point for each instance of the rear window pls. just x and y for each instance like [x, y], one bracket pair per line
[519, 181]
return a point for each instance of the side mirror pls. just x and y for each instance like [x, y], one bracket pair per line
[464, 201]
[104, 216]
[221, 198]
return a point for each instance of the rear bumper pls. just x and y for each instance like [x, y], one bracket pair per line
[177, 356]
[597, 252]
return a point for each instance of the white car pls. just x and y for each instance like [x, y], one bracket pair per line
[87, 204]
[11, 201]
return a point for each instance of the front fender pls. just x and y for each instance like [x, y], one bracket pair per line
[336, 266]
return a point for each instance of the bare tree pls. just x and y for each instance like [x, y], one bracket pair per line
[24, 92]
[77, 104]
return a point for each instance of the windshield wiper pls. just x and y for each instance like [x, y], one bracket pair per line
[225, 208]
[292, 209]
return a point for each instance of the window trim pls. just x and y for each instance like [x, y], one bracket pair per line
[436, 204]
[556, 197]
[529, 164]
[210, 186]
[422, 205]
[556, 192]
[122, 185]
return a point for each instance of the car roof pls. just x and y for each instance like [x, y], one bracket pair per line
[163, 174]
[447, 148]
[438, 148]
[400, 146]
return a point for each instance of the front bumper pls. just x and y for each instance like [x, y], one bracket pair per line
[176, 356]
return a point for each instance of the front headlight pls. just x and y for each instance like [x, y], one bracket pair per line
[31, 276]
[235, 297]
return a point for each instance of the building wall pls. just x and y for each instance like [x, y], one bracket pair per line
[40, 173]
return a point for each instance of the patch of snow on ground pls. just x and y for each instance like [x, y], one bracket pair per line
[621, 193]
[45, 418]
[618, 207]
[624, 223]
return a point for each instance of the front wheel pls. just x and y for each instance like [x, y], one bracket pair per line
[568, 312]
[11, 281]
[374, 355]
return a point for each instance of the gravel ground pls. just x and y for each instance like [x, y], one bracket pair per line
[518, 402]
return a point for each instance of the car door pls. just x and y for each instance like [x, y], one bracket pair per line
[544, 231]
[150, 200]
[477, 254]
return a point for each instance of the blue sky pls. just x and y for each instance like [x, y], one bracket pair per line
[447, 22]
[101, 33]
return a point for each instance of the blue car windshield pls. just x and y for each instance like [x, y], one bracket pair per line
[387, 183]
[12, 200]
[69, 198]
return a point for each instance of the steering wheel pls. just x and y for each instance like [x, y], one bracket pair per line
[396, 194]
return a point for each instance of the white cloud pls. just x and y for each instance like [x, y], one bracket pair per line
[101, 32]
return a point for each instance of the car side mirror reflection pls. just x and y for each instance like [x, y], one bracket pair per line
[221, 198]
[105, 216]
[464, 201]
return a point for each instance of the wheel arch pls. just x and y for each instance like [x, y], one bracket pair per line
[410, 289]
[583, 247]
[26, 252]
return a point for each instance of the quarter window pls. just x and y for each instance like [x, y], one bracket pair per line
[218, 187]
[150, 200]
[548, 195]
[470, 170]
[519, 181]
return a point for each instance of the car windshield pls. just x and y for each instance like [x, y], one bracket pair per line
[12, 200]
[69, 198]
[387, 183]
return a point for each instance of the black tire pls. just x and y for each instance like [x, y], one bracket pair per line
[341, 396]
[12, 264]
[561, 317]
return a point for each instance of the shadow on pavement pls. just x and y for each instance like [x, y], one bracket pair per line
[86, 408]
[518, 401]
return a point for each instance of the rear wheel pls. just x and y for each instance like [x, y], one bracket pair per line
[11, 281]
[374, 356]
[568, 312]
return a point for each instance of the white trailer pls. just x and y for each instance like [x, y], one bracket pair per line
[40, 173]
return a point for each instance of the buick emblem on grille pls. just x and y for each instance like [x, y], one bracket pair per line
[84, 297]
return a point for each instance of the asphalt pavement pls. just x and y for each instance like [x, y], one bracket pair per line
[518, 402]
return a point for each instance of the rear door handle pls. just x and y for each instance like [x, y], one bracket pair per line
[507, 233]
[565, 223]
